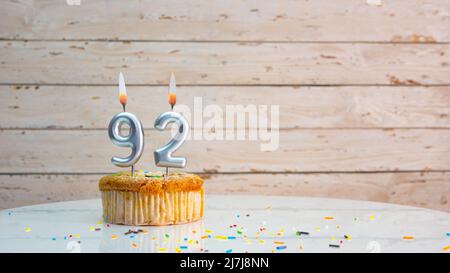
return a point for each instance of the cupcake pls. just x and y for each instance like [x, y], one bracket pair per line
[152, 199]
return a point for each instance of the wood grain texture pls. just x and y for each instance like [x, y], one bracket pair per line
[224, 63]
[425, 189]
[309, 150]
[300, 107]
[221, 20]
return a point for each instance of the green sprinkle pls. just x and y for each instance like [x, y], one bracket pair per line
[116, 174]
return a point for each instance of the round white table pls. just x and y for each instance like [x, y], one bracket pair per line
[233, 224]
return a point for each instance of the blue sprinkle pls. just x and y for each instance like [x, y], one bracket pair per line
[183, 247]
[132, 236]
[9, 213]
[448, 234]
[209, 236]
[229, 250]
[231, 237]
[65, 237]
[185, 238]
[54, 238]
[281, 247]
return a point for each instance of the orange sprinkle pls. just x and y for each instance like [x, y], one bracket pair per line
[204, 236]
[328, 218]
[446, 248]
[408, 237]
[134, 245]
[278, 243]
[113, 237]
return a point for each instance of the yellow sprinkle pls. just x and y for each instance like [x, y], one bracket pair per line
[269, 208]
[349, 237]
[328, 217]
[178, 249]
[208, 231]
[134, 245]
[92, 228]
[77, 236]
[338, 227]
[408, 237]
[113, 237]
[333, 238]
[27, 229]
[446, 248]
[317, 228]
[99, 222]
[162, 249]
[371, 217]
[262, 242]
[191, 241]
[220, 237]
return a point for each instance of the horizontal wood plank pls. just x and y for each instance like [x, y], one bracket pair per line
[427, 189]
[299, 107]
[309, 150]
[224, 63]
[220, 20]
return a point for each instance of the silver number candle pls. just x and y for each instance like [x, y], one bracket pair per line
[163, 155]
[134, 140]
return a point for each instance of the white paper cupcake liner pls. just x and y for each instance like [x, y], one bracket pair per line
[139, 208]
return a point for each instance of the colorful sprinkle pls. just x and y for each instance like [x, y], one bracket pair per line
[183, 247]
[371, 217]
[408, 237]
[53, 238]
[208, 231]
[278, 243]
[328, 218]
[229, 250]
[205, 237]
[281, 247]
[348, 237]
[446, 248]
[113, 237]
[161, 249]
[334, 246]
[220, 237]
[27, 229]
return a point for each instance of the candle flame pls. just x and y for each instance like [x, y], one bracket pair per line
[123, 98]
[172, 97]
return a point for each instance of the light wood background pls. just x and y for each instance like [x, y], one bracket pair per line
[364, 93]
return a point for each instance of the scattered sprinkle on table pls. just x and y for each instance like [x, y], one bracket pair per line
[446, 248]
[334, 246]
[278, 243]
[348, 237]
[27, 229]
[220, 237]
[408, 237]
[328, 218]
[113, 237]
[229, 250]
[134, 245]
[371, 217]
[281, 247]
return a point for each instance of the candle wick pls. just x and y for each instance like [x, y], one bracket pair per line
[123, 105]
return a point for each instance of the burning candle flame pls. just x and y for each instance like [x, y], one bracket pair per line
[172, 97]
[123, 98]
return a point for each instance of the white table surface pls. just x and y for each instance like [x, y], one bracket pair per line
[372, 227]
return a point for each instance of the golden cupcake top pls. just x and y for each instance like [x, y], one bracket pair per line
[150, 182]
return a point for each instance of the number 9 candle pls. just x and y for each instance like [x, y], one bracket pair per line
[135, 137]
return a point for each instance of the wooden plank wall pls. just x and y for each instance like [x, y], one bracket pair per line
[364, 93]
